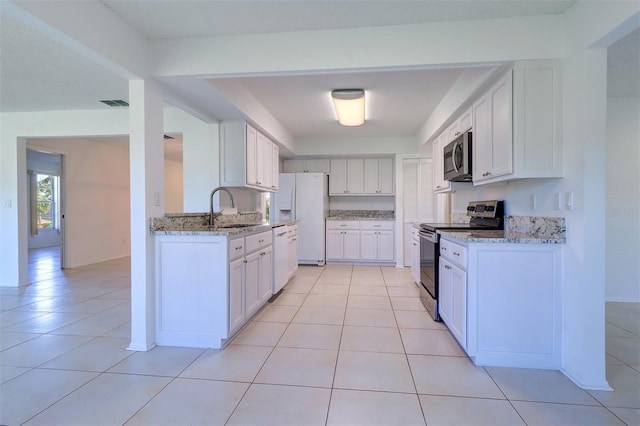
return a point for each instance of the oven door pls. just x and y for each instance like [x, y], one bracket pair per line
[428, 272]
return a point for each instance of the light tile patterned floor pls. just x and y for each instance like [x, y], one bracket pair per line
[341, 345]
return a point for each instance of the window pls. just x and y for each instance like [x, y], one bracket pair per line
[45, 201]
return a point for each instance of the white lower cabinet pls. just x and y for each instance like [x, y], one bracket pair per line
[502, 302]
[343, 245]
[237, 311]
[363, 241]
[453, 300]
[377, 241]
[208, 287]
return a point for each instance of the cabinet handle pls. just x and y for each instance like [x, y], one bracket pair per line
[239, 248]
[447, 267]
[263, 253]
[244, 261]
[343, 225]
[444, 248]
[261, 241]
[455, 253]
[437, 186]
[414, 244]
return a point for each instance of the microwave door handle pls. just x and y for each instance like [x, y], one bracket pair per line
[453, 156]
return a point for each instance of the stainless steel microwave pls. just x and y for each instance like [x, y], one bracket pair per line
[457, 159]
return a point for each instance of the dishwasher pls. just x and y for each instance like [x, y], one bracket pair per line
[280, 258]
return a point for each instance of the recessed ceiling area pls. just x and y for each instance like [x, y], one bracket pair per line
[398, 102]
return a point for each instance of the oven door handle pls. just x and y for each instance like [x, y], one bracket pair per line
[430, 236]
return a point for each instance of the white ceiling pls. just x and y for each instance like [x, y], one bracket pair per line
[37, 73]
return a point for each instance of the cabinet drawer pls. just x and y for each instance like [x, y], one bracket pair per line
[258, 241]
[343, 224]
[454, 252]
[377, 225]
[236, 248]
[292, 230]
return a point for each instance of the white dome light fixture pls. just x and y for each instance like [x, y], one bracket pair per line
[349, 105]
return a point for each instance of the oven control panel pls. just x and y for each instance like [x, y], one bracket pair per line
[486, 209]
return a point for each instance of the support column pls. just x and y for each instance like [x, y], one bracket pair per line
[13, 205]
[146, 151]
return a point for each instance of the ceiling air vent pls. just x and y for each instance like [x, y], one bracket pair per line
[115, 102]
[168, 137]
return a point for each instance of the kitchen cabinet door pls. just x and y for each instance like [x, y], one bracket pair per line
[369, 245]
[378, 176]
[338, 177]
[351, 244]
[294, 166]
[355, 176]
[334, 245]
[266, 275]
[385, 240]
[493, 132]
[275, 164]
[458, 315]
[317, 165]
[252, 155]
[237, 314]
[263, 150]
[252, 283]
[439, 183]
[445, 295]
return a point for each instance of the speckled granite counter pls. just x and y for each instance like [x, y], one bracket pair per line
[361, 215]
[518, 230]
[197, 224]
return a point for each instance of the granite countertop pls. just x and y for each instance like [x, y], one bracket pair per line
[358, 218]
[361, 215]
[501, 237]
[222, 231]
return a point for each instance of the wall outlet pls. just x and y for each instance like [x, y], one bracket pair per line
[568, 200]
[532, 201]
[557, 201]
[6, 204]
[157, 198]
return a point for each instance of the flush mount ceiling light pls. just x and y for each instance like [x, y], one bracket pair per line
[349, 104]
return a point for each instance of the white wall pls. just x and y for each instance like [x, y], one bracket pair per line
[362, 203]
[173, 187]
[96, 199]
[623, 200]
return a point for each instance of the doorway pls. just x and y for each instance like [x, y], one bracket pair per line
[46, 214]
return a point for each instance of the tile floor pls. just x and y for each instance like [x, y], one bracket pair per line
[341, 345]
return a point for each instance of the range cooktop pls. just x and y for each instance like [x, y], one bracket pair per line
[484, 215]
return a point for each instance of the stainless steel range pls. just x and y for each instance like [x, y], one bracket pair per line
[483, 215]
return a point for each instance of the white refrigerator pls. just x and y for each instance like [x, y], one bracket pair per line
[305, 197]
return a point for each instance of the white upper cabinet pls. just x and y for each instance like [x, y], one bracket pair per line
[378, 176]
[439, 183]
[492, 137]
[517, 129]
[309, 165]
[247, 157]
[461, 125]
[358, 176]
[347, 176]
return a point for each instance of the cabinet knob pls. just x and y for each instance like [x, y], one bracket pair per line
[444, 249]
[455, 253]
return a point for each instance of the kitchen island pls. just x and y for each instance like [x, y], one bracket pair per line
[210, 281]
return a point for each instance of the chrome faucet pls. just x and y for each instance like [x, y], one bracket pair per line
[212, 215]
